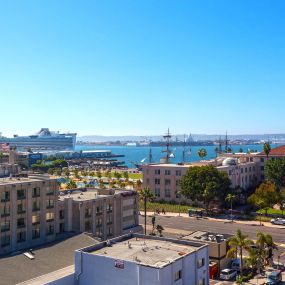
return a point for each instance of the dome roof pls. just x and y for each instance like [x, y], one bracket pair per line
[229, 161]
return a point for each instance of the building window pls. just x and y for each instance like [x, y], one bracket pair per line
[5, 240]
[21, 236]
[167, 182]
[262, 168]
[201, 262]
[49, 216]
[178, 172]
[21, 209]
[36, 192]
[157, 192]
[241, 170]
[177, 183]
[110, 231]
[177, 275]
[99, 222]
[167, 172]
[50, 204]
[5, 226]
[147, 181]
[5, 196]
[35, 219]
[262, 159]
[21, 223]
[87, 212]
[50, 230]
[36, 232]
[5, 210]
[87, 226]
[61, 214]
[21, 194]
[36, 206]
[167, 193]
[157, 181]
[157, 171]
[230, 172]
[245, 170]
[109, 208]
[99, 232]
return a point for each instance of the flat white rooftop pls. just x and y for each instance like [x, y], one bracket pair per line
[148, 252]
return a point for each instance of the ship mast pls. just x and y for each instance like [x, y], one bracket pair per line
[184, 149]
[167, 137]
[150, 153]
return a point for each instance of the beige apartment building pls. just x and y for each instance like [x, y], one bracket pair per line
[105, 213]
[34, 212]
[164, 179]
[27, 212]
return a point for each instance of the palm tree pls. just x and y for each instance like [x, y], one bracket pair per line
[145, 195]
[238, 244]
[266, 148]
[202, 152]
[266, 246]
[230, 197]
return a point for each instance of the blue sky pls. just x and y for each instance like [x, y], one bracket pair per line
[138, 67]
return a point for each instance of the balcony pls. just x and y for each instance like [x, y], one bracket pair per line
[36, 195]
[50, 206]
[4, 215]
[99, 213]
[19, 212]
[109, 211]
[109, 223]
[49, 220]
[50, 193]
[36, 222]
[99, 225]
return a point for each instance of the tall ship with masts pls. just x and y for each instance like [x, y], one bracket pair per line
[42, 140]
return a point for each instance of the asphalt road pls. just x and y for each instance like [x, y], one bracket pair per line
[192, 224]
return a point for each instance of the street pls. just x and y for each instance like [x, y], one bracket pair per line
[221, 227]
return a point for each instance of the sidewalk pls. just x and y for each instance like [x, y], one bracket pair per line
[251, 223]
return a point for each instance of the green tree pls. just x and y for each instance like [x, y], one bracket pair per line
[202, 153]
[146, 195]
[239, 243]
[281, 200]
[217, 151]
[230, 198]
[99, 174]
[205, 184]
[265, 196]
[275, 171]
[240, 150]
[139, 184]
[126, 174]
[71, 185]
[265, 247]
[266, 148]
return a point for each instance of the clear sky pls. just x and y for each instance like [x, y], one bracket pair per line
[127, 67]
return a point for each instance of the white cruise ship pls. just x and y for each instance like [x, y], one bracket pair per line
[43, 140]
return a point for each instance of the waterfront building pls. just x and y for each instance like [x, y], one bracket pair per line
[164, 178]
[135, 259]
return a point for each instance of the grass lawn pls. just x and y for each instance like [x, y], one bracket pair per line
[152, 206]
[271, 211]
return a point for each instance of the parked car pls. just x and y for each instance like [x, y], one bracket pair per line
[228, 274]
[273, 277]
[235, 265]
[278, 221]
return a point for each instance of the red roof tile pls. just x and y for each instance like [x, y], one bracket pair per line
[280, 150]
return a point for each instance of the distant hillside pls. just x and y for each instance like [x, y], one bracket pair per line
[196, 137]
